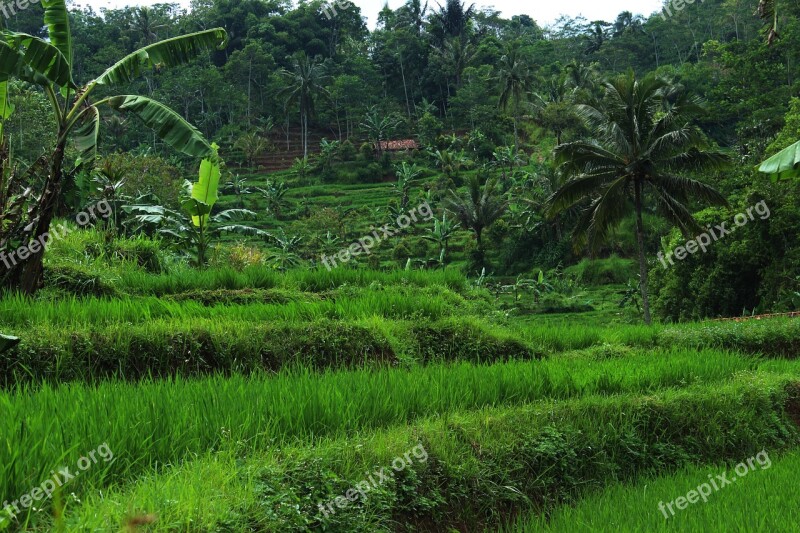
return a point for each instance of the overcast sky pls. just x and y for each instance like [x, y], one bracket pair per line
[543, 11]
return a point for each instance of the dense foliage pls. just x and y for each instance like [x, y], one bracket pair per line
[428, 72]
[333, 244]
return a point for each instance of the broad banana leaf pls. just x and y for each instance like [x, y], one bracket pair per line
[10, 60]
[56, 19]
[196, 209]
[245, 230]
[6, 107]
[235, 214]
[7, 342]
[783, 165]
[86, 131]
[166, 53]
[168, 125]
[206, 190]
[44, 59]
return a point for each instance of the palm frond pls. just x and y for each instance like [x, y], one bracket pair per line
[577, 190]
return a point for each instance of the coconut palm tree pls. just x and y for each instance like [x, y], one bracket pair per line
[144, 25]
[452, 20]
[643, 143]
[481, 207]
[515, 80]
[304, 83]
[48, 64]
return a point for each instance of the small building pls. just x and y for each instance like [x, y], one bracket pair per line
[399, 146]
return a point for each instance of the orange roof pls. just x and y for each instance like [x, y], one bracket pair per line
[407, 144]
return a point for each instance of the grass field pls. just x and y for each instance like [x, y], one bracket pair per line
[249, 399]
[752, 503]
[399, 268]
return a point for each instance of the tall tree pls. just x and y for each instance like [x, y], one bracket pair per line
[643, 142]
[304, 83]
[515, 79]
[452, 20]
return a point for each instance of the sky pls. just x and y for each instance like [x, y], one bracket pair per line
[542, 11]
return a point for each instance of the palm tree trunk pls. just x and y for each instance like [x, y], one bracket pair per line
[642, 258]
[516, 135]
[305, 136]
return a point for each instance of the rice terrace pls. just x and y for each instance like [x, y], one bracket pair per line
[274, 266]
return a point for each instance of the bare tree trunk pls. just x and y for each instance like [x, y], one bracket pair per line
[305, 135]
[249, 90]
[405, 87]
[31, 271]
[642, 259]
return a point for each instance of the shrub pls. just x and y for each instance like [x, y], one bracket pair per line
[778, 337]
[77, 280]
[238, 257]
[750, 270]
[202, 346]
[347, 151]
[142, 251]
[603, 271]
[465, 340]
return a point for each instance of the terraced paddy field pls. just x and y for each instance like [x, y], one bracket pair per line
[373, 401]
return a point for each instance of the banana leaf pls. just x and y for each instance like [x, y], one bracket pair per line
[784, 165]
[206, 191]
[7, 342]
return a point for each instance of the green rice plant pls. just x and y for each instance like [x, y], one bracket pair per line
[16, 310]
[176, 418]
[760, 502]
[775, 337]
[475, 463]
[612, 270]
[192, 346]
[561, 336]
[182, 280]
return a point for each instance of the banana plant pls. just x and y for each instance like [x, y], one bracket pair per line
[784, 165]
[275, 195]
[406, 176]
[285, 256]
[443, 230]
[239, 187]
[195, 228]
[48, 64]
[7, 342]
